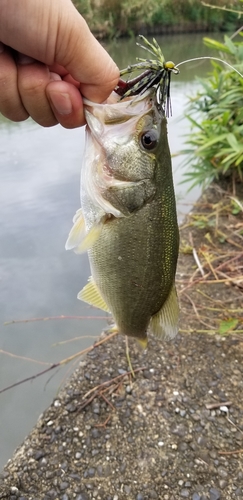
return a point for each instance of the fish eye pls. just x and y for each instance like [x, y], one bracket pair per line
[149, 139]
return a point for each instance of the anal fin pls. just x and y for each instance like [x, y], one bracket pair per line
[91, 295]
[165, 322]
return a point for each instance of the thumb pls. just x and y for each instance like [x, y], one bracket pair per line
[84, 57]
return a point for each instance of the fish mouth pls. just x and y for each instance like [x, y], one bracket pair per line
[116, 120]
[114, 111]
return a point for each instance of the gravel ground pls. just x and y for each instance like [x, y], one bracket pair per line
[175, 431]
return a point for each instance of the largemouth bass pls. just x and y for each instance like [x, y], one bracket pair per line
[128, 219]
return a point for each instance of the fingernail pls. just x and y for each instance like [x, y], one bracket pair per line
[54, 77]
[23, 59]
[61, 102]
[1, 47]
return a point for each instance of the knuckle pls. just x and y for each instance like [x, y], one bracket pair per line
[32, 78]
[10, 104]
[31, 87]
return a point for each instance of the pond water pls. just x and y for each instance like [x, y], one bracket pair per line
[39, 175]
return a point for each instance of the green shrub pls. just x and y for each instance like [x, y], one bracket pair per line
[216, 116]
[112, 18]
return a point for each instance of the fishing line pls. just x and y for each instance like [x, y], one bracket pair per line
[211, 58]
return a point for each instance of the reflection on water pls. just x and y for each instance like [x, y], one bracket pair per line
[39, 172]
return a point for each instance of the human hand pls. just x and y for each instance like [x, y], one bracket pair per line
[49, 59]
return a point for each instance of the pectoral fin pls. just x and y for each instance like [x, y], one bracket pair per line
[165, 322]
[90, 238]
[91, 295]
[77, 233]
[78, 239]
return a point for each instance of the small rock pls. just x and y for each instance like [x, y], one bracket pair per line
[95, 433]
[182, 446]
[239, 492]
[139, 496]
[50, 474]
[196, 496]
[222, 472]
[75, 476]
[96, 408]
[82, 496]
[42, 462]
[214, 494]
[182, 413]
[100, 470]
[222, 483]
[14, 490]
[91, 472]
[39, 454]
[123, 467]
[185, 493]
[152, 494]
[71, 407]
[64, 485]
[202, 441]
[51, 493]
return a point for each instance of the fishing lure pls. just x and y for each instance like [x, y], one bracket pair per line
[157, 72]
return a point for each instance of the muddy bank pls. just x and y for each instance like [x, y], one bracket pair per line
[176, 430]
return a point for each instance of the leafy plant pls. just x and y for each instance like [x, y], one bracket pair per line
[216, 116]
[113, 18]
